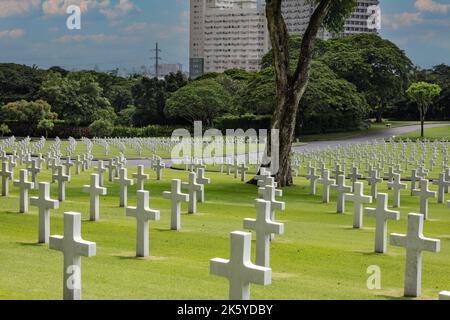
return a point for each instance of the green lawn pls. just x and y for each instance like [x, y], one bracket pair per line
[319, 257]
[431, 133]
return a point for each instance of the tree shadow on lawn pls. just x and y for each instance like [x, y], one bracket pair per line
[31, 244]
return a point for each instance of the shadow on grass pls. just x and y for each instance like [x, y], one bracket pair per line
[31, 244]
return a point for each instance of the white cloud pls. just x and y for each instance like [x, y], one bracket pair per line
[432, 6]
[98, 38]
[12, 34]
[138, 26]
[17, 7]
[400, 20]
[58, 7]
[120, 9]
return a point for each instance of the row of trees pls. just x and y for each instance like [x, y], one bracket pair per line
[351, 80]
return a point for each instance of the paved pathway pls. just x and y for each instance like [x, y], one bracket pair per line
[372, 135]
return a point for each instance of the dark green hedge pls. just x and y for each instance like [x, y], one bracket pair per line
[244, 122]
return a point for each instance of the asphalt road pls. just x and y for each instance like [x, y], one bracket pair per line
[373, 135]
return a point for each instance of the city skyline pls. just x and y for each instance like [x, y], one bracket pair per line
[121, 33]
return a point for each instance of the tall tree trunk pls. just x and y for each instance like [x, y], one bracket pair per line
[290, 85]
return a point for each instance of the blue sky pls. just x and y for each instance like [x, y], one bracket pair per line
[121, 33]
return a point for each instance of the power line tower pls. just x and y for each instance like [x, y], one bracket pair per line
[157, 58]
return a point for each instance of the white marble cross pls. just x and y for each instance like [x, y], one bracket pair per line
[24, 185]
[312, 177]
[354, 176]
[159, 166]
[100, 169]
[444, 296]
[61, 178]
[140, 177]
[327, 182]
[424, 193]
[442, 185]
[143, 214]
[243, 169]
[341, 190]
[268, 193]
[396, 186]
[359, 199]
[94, 191]
[201, 179]
[415, 243]
[78, 163]
[239, 270]
[124, 182]
[381, 213]
[264, 227]
[193, 187]
[176, 197]
[34, 169]
[73, 247]
[414, 179]
[68, 164]
[6, 175]
[111, 169]
[44, 203]
[373, 181]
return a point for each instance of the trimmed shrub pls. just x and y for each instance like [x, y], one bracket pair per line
[101, 128]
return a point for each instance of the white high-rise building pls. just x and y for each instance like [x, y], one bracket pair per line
[297, 14]
[227, 34]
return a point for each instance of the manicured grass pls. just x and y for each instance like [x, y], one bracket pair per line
[320, 256]
[430, 133]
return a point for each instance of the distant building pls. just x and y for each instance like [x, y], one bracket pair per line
[168, 68]
[227, 34]
[297, 14]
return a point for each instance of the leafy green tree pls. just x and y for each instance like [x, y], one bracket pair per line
[291, 85]
[77, 98]
[329, 103]
[202, 100]
[101, 128]
[18, 82]
[4, 129]
[30, 113]
[45, 125]
[125, 116]
[150, 98]
[423, 94]
[258, 96]
[175, 81]
[377, 67]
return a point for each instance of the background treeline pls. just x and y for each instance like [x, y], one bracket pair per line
[352, 80]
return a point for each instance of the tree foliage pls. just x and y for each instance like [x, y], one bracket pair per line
[423, 94]
[27, 112]
[202, 100]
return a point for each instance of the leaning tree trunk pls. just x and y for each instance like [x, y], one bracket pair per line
[285, 119]
[290, 84]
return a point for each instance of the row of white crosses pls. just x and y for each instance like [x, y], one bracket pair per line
[239, 269]
[413, 241]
